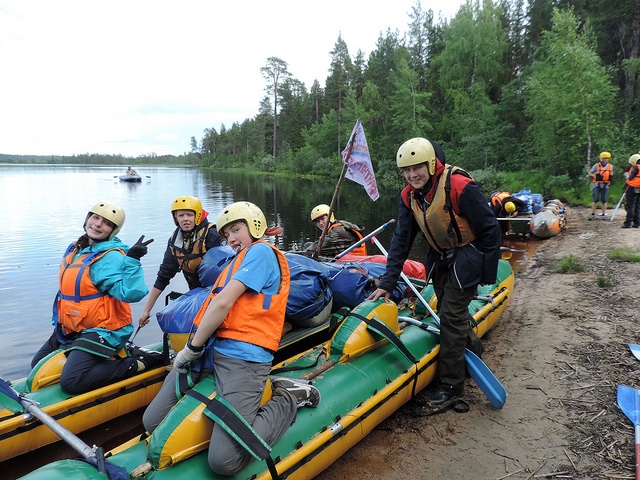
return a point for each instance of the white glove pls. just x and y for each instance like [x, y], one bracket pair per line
[186, 356]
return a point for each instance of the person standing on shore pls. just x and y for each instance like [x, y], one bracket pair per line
[445, 204]
[601, 174]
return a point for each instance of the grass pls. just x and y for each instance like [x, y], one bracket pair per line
[624, 254]
[569, 265]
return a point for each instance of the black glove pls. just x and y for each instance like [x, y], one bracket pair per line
[139, 250]
[599, 178]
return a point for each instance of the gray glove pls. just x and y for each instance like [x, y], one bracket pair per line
[186, 356]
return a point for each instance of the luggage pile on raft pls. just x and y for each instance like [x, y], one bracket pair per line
[542, 219]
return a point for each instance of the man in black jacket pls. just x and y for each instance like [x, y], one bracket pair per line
[445, 204]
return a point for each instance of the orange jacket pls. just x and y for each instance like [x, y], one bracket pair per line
[80, 304]
[254, 318]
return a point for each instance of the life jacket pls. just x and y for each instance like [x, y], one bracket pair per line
[635, 181]
[605, 172]
[498, 200]
[255, 317]
[443, 228]
[80, 305]
[362, 249]
[190, 259]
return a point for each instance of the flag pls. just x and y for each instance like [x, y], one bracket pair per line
[356, 157]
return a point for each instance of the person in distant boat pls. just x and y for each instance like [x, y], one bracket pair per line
[632, 193]
[238, 328]
[601, 174]
[463, 248]
[505, 205]
[340, 234]
[191, 239]
[131, 171]
[99, 277]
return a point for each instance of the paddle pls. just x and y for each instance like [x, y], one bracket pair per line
[619, 203]
[484, 378]
[629, 402]
[364, 239]
[11, 400]
[635, 349]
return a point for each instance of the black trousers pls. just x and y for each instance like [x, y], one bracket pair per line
[456, 334]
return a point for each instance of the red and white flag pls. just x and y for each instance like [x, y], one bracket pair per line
[356, 157]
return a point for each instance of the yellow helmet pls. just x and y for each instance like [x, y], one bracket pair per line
[604, 155]
[320, 210]
[416, 151]
[633, 159]
[110, 211]
[509, 207]
[246, 211]
[187, 203]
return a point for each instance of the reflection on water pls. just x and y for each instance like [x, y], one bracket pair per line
[519, 249]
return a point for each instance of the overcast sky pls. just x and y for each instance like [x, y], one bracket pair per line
[138, 77]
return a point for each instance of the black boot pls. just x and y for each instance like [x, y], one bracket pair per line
[444, 394]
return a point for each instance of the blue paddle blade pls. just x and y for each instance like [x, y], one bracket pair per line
[486, 380]
[635, 349]
[9, 399]
[629, 403]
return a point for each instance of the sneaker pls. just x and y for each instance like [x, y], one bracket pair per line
[603, 216]
[443, 395]
[149, 358]
[624, 225]
[304, 393]
[593, 215]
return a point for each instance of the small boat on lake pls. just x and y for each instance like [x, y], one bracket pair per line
[379, 358]
[130, 178]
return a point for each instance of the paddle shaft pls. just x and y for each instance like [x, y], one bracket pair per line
[365, 239]
[409, 283]
[73, 441]
[619, 202]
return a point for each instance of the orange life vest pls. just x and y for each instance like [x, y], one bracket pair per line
[635, 181]
[605, 172]
[362, 248]
[255, 317]
[80, 304]
[498, 199]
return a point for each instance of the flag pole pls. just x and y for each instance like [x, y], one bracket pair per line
[345, 166]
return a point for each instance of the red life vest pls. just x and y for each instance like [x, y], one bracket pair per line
[254, 318]
[80, 304]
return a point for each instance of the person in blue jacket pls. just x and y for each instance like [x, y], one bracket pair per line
[463, 248]
[99, 277]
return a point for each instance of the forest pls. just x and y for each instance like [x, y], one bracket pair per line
[519, 93]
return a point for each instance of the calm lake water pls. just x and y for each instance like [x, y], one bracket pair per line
[44, 206]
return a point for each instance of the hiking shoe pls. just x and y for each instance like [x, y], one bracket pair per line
[624, 225]
[592, 216]
[149, 358]
[443, 395]
[304, 393]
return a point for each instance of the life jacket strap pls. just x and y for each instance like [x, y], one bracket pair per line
[223, 413]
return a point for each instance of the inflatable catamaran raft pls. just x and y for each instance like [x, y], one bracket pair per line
[378, 359]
